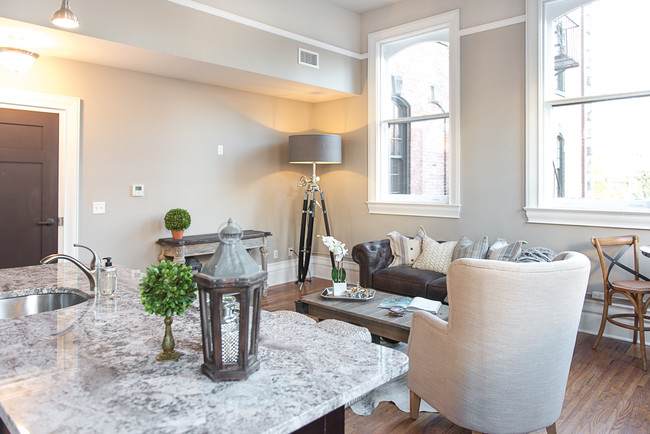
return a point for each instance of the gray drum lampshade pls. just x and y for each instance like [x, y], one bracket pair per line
[315, 148]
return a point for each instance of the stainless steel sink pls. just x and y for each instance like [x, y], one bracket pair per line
[15, 307]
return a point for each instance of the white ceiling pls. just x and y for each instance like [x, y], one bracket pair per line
[363, 6]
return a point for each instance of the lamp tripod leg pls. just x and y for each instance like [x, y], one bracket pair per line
[301, 250]
[310, 235]
[327, 224]
[307, 233]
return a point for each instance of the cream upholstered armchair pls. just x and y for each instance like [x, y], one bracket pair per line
[501, 363]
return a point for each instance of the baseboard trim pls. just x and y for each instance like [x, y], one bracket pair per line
[282, 272]
[592, 312]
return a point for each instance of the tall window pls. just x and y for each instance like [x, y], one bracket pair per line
[588, 147]
[413, 106]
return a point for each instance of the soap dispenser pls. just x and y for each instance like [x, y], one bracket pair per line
[107, 278]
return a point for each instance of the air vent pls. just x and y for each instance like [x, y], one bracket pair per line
[307, 58]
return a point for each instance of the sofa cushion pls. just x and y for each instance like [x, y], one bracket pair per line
[466, 248]
[405, 250]
[502, 251]
[435, 256]
[404, 280]
[437, 289]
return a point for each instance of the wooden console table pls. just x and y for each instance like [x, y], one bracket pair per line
[206, 244]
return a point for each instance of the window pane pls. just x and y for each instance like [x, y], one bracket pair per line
[427, 151]
[399, 163]
[417, 70]
[600, 151]
[599, 49]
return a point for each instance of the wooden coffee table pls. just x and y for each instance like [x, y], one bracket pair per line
[364, 313]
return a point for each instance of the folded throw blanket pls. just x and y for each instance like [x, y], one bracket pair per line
[536, 254]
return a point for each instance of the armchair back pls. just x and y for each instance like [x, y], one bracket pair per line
[502, 361]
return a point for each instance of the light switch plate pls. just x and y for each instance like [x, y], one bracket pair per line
[99, 207]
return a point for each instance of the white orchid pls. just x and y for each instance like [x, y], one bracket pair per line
[336, 247]
[339, 251]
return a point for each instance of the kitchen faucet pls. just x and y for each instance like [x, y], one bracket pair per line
[91, 272]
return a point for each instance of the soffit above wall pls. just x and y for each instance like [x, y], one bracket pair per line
[62, 44]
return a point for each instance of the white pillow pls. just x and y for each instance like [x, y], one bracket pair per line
[405, 250]
[435, 256]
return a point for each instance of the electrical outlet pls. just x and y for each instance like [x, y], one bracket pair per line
[290, 252]
[596, 295]
[275, 254]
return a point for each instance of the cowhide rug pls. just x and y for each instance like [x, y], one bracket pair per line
[394, 391]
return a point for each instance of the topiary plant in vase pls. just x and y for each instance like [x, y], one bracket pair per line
[177, 220]
[167, 289]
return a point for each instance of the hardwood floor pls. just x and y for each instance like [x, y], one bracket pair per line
[607, 390]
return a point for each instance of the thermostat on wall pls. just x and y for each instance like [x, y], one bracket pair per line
[137, 190]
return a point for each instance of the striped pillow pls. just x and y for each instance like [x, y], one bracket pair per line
[405, 250]
[468, 249]
[502, 251]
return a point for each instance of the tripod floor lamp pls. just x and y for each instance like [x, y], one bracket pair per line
[312, 149]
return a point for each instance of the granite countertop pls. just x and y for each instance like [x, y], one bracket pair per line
[92, 367]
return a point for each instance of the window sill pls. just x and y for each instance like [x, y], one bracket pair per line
[414, 209]
[578, 217]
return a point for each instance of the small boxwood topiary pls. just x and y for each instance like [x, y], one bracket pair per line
[177, 219]
[167, 289]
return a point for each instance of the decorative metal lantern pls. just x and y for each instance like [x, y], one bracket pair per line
[230, 295]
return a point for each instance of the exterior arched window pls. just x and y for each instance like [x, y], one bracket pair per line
[400, 149]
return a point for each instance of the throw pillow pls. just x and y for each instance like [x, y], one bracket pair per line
[502, 251]
[466, 248]
[435, 256]
[536, 254]
[405, 250]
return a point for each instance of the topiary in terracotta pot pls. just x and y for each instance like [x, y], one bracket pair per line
[177, 220]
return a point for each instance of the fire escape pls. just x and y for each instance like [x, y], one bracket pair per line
[567, 44]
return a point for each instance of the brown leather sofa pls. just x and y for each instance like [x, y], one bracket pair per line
[374, 257]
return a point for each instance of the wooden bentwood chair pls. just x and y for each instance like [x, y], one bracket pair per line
[634, 290]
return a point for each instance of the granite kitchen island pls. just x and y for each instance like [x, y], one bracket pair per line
[92, 367]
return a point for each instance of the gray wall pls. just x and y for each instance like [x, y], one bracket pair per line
[163, 133]
[492, 143]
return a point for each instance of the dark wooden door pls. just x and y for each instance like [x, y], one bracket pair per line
[29, 161]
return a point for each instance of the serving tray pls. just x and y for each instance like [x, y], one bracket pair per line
[350, 294]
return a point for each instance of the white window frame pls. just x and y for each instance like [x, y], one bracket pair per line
[537, 211]
[426, 207]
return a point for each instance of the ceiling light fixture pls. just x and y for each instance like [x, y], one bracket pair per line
[16, 59]
[64, 17]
